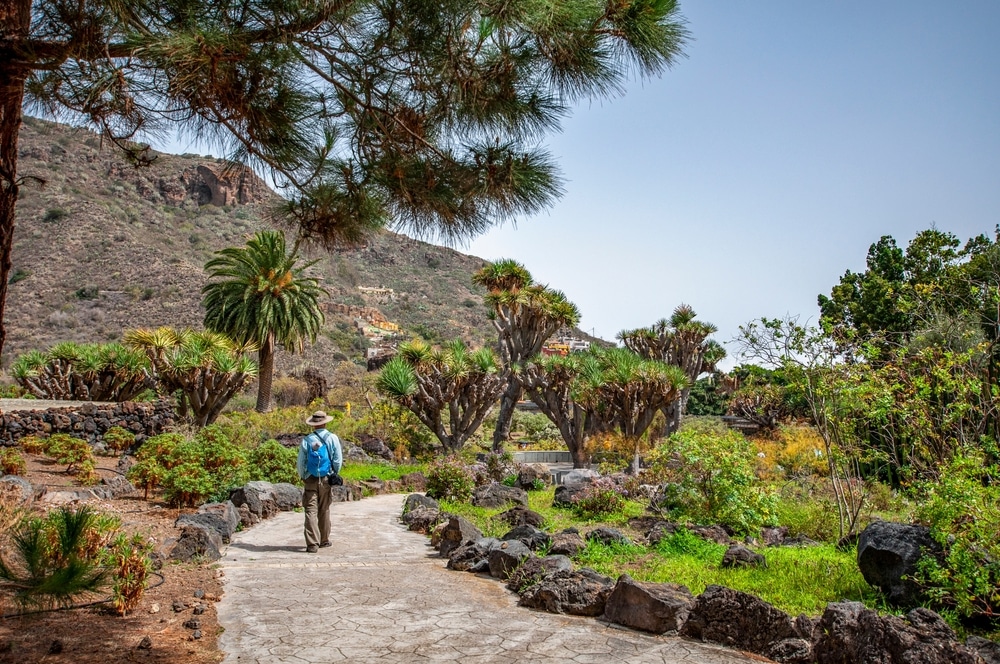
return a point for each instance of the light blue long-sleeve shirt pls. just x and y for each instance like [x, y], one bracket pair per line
[332, 446]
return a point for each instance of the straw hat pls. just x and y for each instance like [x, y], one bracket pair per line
[318, 418]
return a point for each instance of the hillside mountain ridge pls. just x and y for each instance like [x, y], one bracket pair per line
[102, 247]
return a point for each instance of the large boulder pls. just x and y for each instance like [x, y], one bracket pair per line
[531, 537]
[415, 481]
[220, 518]
[474, 556]
[739, 620]
[848, 632]
[506, 557]
[197, 543]
[581, 592]
[567, 542]
[415, 500]
[259, 497]
[117, 486]
[422, 519]
[18, 489]
[345, 493]
[988, 650]
[608, 536]
[535, 569]
[499, 495]
[887, 557]
[521, 516]
[740, 556]
[287, 497]
[530, 475]
[651, 607]
[456, 532]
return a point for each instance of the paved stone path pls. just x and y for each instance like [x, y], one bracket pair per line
[381, 594]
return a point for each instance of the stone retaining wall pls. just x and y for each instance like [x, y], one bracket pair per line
[88, 421]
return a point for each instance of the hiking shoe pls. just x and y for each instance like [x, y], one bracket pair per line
[312, 548]
[323, 545]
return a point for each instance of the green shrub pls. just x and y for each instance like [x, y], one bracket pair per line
[713, 467]
[118, 439]
[69, 450]
[187, 485]
[599, 499]
[450, 479]
[961, 510]
[12, 462]
[273, 462]
[33, 445]
[148, 474]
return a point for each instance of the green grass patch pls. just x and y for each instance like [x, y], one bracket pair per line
[383, 471]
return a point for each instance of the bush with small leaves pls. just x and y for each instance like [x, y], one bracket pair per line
[118, 439]
[147, 474]
[187, 485]
[450, 479]
[86, 473]
[598, 499]
[130, 564]
[68, 450]
[33, 445]
[273, 462]
[12, 462]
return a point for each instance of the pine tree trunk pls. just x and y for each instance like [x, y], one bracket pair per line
[508, 401]
[265, 374]
[15, 19]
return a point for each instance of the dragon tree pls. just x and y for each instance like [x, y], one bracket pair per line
[525, 315]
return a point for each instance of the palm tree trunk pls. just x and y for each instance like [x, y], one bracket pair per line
[508, 401]
[265, 374]
[15, 19]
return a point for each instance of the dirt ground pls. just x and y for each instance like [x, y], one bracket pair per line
[95, 634]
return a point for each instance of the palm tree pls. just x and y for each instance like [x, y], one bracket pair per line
[262, 297]
[525, 315]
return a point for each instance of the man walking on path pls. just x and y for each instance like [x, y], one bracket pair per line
[319, 456]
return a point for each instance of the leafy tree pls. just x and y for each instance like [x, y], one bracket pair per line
[680, 341]
[629, 391]
[813, 363]
[525, 315]
[426, 114]
[208, 369]
[450, 390]
[260, 296]
[84, 372]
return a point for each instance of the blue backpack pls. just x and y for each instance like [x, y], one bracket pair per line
[318, 458]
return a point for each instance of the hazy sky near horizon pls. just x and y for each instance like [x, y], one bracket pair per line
[748, 178]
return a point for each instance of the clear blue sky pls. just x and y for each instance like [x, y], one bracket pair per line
[746, 180]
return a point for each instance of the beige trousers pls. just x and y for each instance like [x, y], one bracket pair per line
[316, 503]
